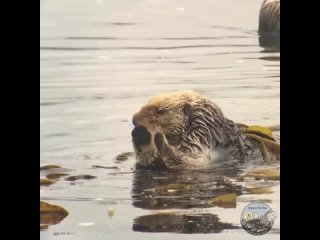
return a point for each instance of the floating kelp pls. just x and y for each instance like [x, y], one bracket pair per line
[244, 198]
[261, 131]
[273, 146]
[44, 227]
[46, 167]
[56, 175]
[52, 172]
[259, 190]
[266, 174]
[263, 139]
[180, 223]
[45, 182]
[105, 167]
[78, 177]
[124, 156]
[51, 214]
[228, 200]
[225, 198]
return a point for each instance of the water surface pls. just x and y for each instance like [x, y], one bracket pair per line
[100, 61]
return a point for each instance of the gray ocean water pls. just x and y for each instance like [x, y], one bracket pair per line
[100, 60]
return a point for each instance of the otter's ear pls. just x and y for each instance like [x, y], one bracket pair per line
[187, 108]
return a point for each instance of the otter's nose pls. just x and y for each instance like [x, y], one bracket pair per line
[134, 121]
[141, 136]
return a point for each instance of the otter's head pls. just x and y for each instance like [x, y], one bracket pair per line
[188, 120]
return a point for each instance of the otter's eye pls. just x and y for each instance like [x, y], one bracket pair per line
[161, 111]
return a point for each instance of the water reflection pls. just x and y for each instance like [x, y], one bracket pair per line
[164, 190]
[182, 189]
[180, 223]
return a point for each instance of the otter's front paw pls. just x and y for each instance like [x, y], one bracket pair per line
[160, 142]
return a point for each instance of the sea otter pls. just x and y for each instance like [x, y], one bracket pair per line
[184, 130]
[269, 18]
[269, 25]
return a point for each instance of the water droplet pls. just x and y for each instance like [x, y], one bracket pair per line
[111, 212]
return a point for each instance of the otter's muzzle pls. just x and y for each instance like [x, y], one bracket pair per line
[141, 136]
